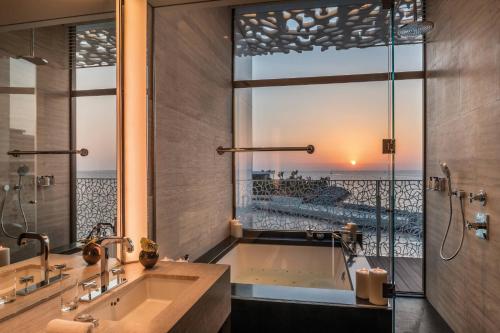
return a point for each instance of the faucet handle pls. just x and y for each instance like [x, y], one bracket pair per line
[89, 285]
[117, 270]
[59, 267]
[26, 279]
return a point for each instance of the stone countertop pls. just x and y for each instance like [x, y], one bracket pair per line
[32, 313]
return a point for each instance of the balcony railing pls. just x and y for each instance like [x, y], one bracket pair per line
[95, 202]
[326, 205]
[298, 204]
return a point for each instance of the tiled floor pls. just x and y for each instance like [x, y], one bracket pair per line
[416, 315]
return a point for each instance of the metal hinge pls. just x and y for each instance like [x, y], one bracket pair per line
[388, 146]
[388, 290]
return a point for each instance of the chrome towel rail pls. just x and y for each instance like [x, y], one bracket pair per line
[221, 150]
[17, 153]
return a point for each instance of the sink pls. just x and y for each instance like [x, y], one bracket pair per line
[141, 301]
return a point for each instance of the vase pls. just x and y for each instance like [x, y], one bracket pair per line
[148, 259]
[91, 253]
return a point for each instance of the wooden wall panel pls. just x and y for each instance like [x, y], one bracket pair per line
[193, 97]
[463, 121]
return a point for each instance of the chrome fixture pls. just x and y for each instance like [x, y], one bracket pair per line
[480, 225]
[45, 181]
[461, 195]
[436, 184]
[26, 281]
[22, 171]
[106, 284]
[221, 150]
[38, 61]
[480, 196]
[416, 28]
[17, 153]
[44, 263]
[87, 318]
[348, 242]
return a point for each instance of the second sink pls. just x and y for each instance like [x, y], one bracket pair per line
[142, 300]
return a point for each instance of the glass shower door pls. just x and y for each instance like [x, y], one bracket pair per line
[18, 193]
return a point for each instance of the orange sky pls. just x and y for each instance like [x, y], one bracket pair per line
[344, 122]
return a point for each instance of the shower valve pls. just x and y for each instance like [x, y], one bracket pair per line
[481, 197]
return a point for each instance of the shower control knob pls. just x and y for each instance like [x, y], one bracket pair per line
[480, 196]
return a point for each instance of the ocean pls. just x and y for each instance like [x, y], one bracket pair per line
[96, 174]
[356, 175]
[314, 174]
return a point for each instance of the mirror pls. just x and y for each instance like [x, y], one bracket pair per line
[58, 119]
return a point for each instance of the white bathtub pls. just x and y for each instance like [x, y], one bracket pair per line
[288, 265]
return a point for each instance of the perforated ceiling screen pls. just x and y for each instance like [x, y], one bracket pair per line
[297, 27]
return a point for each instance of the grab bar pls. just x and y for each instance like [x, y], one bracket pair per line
[17, 153]
[221, 150]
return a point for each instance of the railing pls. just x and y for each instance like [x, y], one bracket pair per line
[326, 205]
[95, 202]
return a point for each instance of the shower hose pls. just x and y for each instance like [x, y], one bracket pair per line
[449, 225]
[2, 224]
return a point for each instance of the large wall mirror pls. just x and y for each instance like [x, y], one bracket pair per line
[58, 122]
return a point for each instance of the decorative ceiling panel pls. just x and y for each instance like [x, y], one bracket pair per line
[262, 32]
[95, 45]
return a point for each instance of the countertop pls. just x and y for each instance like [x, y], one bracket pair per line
[32, 313]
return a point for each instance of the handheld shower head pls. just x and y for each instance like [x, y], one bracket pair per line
[23, 170]
[445, 169]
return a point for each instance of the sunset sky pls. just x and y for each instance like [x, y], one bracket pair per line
[345, 122]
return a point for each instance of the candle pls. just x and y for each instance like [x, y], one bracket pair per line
[377, 277]
[4, 256]
[362, 283]
[236, 228]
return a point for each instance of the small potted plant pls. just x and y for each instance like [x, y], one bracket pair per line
[149, 253]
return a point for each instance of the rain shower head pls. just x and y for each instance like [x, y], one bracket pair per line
[38, 61]
[445, 169]
[23, 170]
[415, 29]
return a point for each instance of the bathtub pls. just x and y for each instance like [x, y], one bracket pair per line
[288, 265]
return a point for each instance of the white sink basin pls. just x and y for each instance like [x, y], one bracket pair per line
[139, 302]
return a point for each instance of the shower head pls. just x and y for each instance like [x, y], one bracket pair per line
[445, 169]
[6, 188]
[23, 170]
[415, 29]
[37, 61]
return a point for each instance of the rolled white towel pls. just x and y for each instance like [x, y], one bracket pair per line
[68, 326]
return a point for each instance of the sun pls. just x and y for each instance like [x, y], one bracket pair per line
[353, 162]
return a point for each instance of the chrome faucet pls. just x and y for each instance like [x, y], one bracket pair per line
[126, 245]
[45, 269]
[44, 248]
[106, 285]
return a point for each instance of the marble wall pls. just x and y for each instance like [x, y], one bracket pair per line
[463, 121]
[193, 115]
[36, 120]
